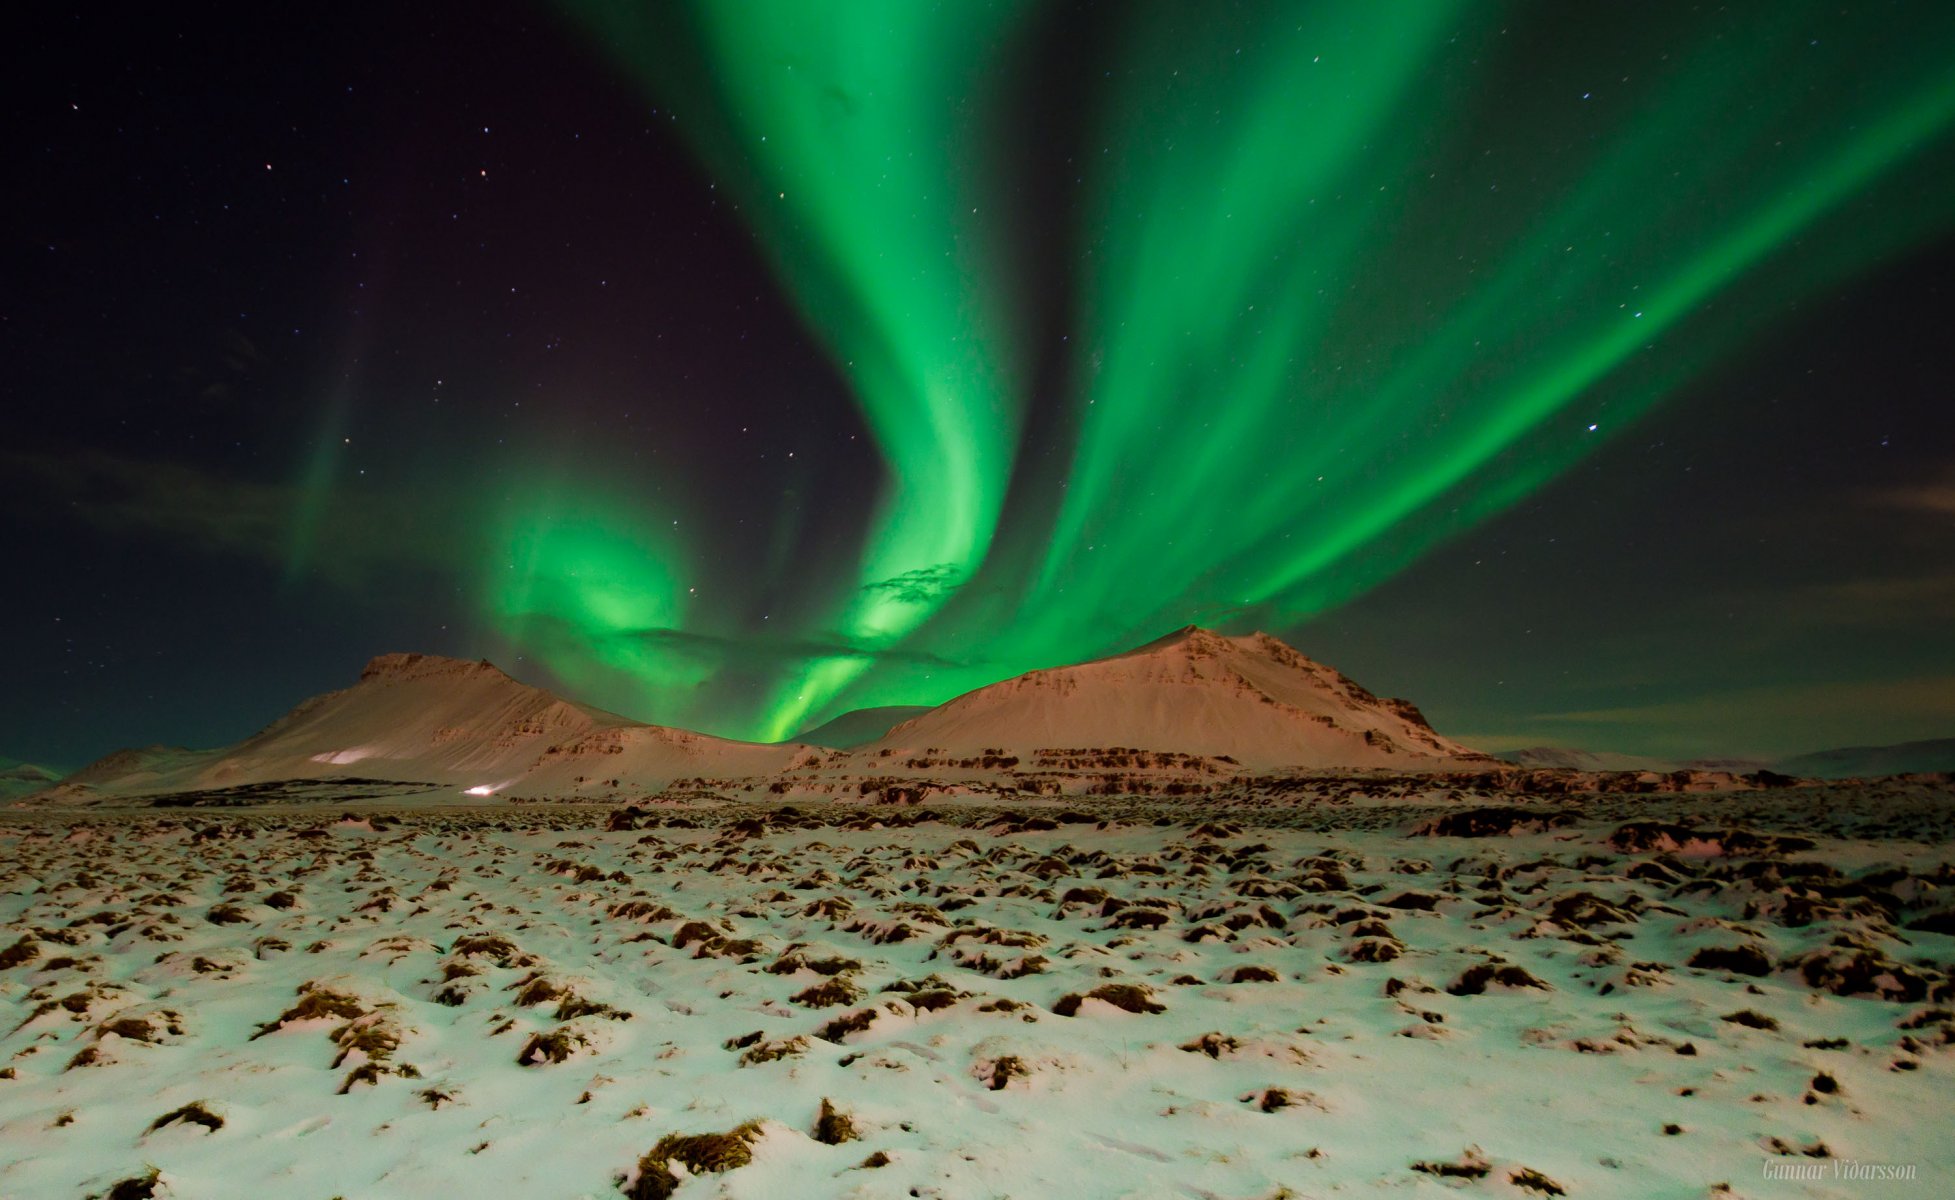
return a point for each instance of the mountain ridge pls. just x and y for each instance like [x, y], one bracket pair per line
[1254, 699]
[1248, 703]
[443, 722]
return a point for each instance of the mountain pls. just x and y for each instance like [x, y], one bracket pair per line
[1253, 699]
[1864, 762]
[1564, 758]
[448, 722]
[1850, 762]
[20, 779]
[860, 726]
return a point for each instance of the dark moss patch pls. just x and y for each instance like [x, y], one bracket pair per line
[934, 999]
[829, 993]
[193, 1113]
[1471, 1164]
[573, 1006]
[1139, 918]
[537, 990]
[833, 1126]
[1373, 950]
[1474, 980]
[839, 1029]
[1935, 922]
[553, 1047]
[1739, 960]
[1270, 1100]
[1004, 1069]
[788, 964]
[697, 933]
[313, 1004]
[698, 1152]
[1785, 1149]
[1491, 822]
[1215, 1045]
[1750, 1019]
[493, 946]
[134, 1029]
[1529, 1179]
[754, 1054]
[136, 1187]
[226, 914]
[1128, 997]
[1848, 971]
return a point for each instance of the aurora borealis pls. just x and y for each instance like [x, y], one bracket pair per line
[737, 366]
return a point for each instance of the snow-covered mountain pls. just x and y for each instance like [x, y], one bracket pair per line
[446, 721]
[1253, 699]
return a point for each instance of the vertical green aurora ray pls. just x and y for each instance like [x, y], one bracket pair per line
[1563, 370]
[313, 494]
[1214, 248]
[847, 130]
[1559, 384]
[1543, 389]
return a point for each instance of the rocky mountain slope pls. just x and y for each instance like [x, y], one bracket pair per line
[445, 722]
[1251, 699]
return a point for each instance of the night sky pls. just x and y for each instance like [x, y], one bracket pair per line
[1580, 372]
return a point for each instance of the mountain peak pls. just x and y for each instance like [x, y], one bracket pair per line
[425, 666]
[1253, 700]
[1188, 638]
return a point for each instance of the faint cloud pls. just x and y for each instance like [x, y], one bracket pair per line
[1879, 601]
[129, 496]
[1921, 696]
[1765, 721]
[1935, 497]
[217, 515]
[924, 585]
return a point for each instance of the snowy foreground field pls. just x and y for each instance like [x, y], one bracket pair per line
[1106, 1000]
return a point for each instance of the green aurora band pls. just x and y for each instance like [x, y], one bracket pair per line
[582, 576]
[841, 125]
[1343, 290]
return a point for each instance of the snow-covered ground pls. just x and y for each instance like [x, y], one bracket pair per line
[371, 1006]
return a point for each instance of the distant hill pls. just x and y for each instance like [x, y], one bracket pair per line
[860, 726]
[1253, 699]
[466, 728]
[1849, 762]
[443, 721]
[21, 779]
[1565, 758]
[1937, 754]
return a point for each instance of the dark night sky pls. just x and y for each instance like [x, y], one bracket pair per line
[511, 331]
